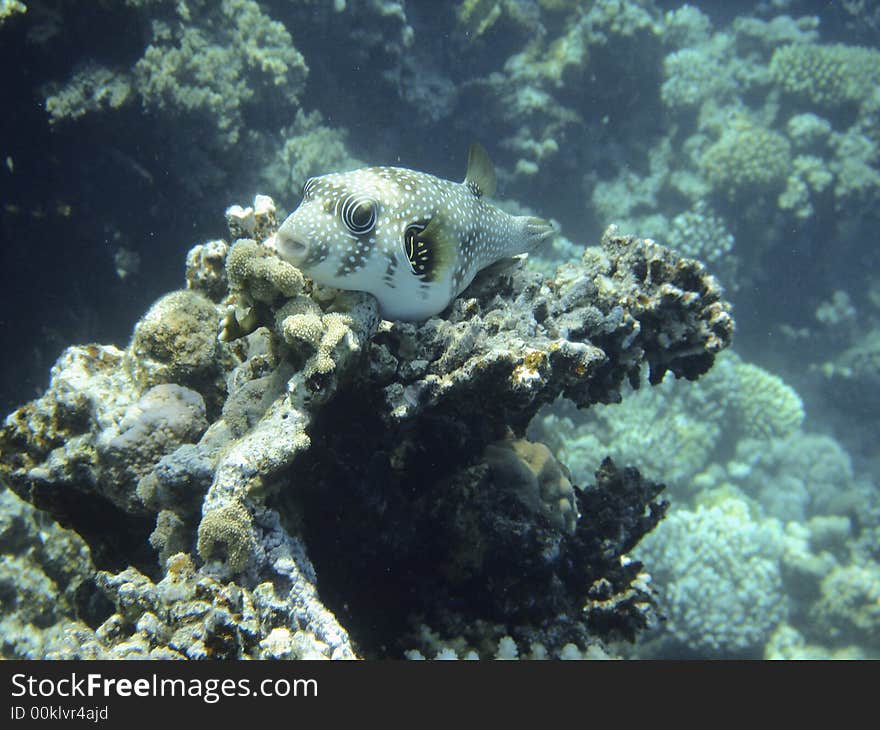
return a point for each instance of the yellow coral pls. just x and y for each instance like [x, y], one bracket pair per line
[259, 273]
[229, 526]
[176, 339]
[303, 328]
[321, 332]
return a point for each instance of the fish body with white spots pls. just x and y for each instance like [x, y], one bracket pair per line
[412, 240]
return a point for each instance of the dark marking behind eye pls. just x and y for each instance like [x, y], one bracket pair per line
[419, 252]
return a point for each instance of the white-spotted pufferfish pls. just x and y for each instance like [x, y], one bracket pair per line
[412, 240]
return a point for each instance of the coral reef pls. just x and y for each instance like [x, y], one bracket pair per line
[722, 585]
[46, 580]
[793, 478]
[260, 430]
[309, 148]
[211, 60]
[768, 407]
[10, 8]
[827, 76]
[734, 440]
[746, 158]
[223, 462]
[678, 431]
[849, 609]
[90, 90]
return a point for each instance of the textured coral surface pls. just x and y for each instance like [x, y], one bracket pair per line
[240, 452]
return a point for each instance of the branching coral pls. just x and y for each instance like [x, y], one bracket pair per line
[827, 76]
[718, 568]
[746, 158]
[93, 88]
[701, 234]
[212, 60]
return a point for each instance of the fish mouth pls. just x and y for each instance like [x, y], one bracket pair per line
[289, 247]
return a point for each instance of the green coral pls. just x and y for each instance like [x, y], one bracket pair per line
[827, 76]
[476, 16]
[808, 130]
[215, 63]
[207, 59]
[747, 159]
[621, 18]
[854, 164]
[765, 36]
[686, 26]
[227, 530]
[849, 609]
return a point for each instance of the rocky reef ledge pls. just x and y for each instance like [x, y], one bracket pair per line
[271, 471]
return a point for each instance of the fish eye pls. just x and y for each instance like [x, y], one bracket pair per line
[359, 214]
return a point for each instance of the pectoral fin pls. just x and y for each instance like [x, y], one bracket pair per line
[430, 248]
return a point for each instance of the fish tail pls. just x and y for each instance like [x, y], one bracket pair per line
[536, 231]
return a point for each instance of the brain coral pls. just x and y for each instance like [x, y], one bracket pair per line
[539, 481]
[768, 408]
[746, 159]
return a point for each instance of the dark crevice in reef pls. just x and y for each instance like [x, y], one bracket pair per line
[92, 605]
[364, 499]
[127, 543]
[408, 527]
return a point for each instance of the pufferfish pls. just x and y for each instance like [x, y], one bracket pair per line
[412, 240]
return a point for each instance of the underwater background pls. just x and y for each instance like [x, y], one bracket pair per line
[745, 135]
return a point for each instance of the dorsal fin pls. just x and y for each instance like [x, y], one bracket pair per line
[480, 172]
